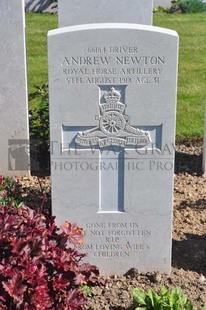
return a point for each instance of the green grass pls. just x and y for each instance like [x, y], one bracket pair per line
[192, 71]
[37, 26]
[192, 64]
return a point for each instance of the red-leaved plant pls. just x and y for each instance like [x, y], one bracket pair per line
[38, 269]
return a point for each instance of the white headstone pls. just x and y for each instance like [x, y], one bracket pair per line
[112, 113]
[75, 12]
[14, 158]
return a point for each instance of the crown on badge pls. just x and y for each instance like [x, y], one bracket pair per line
[112, 98]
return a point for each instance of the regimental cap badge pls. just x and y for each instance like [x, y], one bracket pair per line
[114, 127]
[112, 98]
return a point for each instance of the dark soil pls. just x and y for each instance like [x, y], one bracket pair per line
[189, 237]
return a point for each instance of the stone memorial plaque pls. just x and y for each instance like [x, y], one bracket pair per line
[112, 90]
[74, 12]
[14, 133]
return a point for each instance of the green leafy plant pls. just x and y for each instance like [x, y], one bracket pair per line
[10, 192]
[188, 6]
[160, 9]
[166, 300]
[39, 124]
[39, 267]
[86, 290]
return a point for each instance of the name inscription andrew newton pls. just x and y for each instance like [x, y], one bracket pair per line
[114, 239]
[113, 65]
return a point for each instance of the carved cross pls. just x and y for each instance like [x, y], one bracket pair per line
[112, 135]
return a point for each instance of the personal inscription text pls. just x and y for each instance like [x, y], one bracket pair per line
[110, 239]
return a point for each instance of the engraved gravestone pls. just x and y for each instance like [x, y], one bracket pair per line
[75, 12]
[14, 158]
[112, 91]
